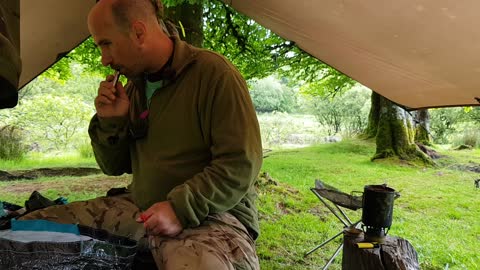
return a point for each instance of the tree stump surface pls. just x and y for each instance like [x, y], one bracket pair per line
[394, 254]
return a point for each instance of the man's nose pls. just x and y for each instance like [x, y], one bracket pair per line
[106, 60]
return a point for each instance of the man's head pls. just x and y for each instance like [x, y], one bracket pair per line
[128, 35]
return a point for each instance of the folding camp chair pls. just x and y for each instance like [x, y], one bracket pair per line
[336, 199]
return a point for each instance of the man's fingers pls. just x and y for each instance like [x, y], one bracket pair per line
[144, 216]
[109, 78]
[106, 92]
[102, 100]
[106, 85]
[109, 102]
[160, 219]
[121, 92]
[156, 226]
[152, 227]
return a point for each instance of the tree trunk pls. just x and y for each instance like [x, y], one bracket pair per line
[422, 127]
[373, 116]
[189, 21]
[395, 253]
[395, 133]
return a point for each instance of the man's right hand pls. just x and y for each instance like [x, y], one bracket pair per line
[111, 101]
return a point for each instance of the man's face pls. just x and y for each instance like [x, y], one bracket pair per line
[118, 48]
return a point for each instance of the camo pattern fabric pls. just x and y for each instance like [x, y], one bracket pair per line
[114, 214]
[221, 242]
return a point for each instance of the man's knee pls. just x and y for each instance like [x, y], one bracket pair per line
[214, 245]
[180, 254]
[201, 256]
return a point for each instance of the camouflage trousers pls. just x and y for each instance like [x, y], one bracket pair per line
[220, 242]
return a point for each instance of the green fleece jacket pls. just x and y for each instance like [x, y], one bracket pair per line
[202, 150]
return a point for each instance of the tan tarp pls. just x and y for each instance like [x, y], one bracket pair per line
[49, 28]
[416, 53]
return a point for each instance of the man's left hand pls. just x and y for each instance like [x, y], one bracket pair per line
[160, 219]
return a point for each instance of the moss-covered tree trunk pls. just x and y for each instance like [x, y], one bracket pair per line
[189, 21]
[422, 127]
[395, 132]
[373, 117]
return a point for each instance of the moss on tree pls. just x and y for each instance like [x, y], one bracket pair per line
[373, 117]
[422, 127]
[396, 134]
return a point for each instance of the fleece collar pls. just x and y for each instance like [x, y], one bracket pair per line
[183, 56]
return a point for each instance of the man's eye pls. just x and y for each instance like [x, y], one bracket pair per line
[104, 44]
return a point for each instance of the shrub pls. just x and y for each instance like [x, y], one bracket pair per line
[85, 150]
[275, 128]
[469, 137]
[281, 129]
[444, 123]
[53, 120]
[11, 145]
[270, 95]
[346, 113]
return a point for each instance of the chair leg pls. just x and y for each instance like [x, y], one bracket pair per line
[323, 244]
[333, 257]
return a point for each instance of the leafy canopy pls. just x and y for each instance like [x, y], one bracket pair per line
[256, 51]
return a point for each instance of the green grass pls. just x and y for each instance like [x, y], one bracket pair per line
[438, 211]
[33, 160]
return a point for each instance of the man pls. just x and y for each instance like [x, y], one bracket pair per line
[185, 127]
[10, 66]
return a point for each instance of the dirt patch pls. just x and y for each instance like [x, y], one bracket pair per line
[471, 167]
[47, 172]
[283, 208]
[84, 184]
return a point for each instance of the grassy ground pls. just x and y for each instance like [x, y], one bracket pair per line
[438, 211]
[36, 160]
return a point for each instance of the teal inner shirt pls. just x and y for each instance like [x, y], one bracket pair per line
[150, 88]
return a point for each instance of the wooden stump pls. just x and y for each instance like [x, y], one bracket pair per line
[394, 254]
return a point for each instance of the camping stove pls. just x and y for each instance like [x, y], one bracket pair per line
[377, 211]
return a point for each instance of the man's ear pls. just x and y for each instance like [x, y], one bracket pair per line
[139, 31]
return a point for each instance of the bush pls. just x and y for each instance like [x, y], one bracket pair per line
[270, 95]
[469, 137]
[11, 145]
[53, 121]
[346, 113]
[282, 129]
[474, 115]
[444, 123]
[85, 150]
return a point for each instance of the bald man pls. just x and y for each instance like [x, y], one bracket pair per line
[185, 127]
